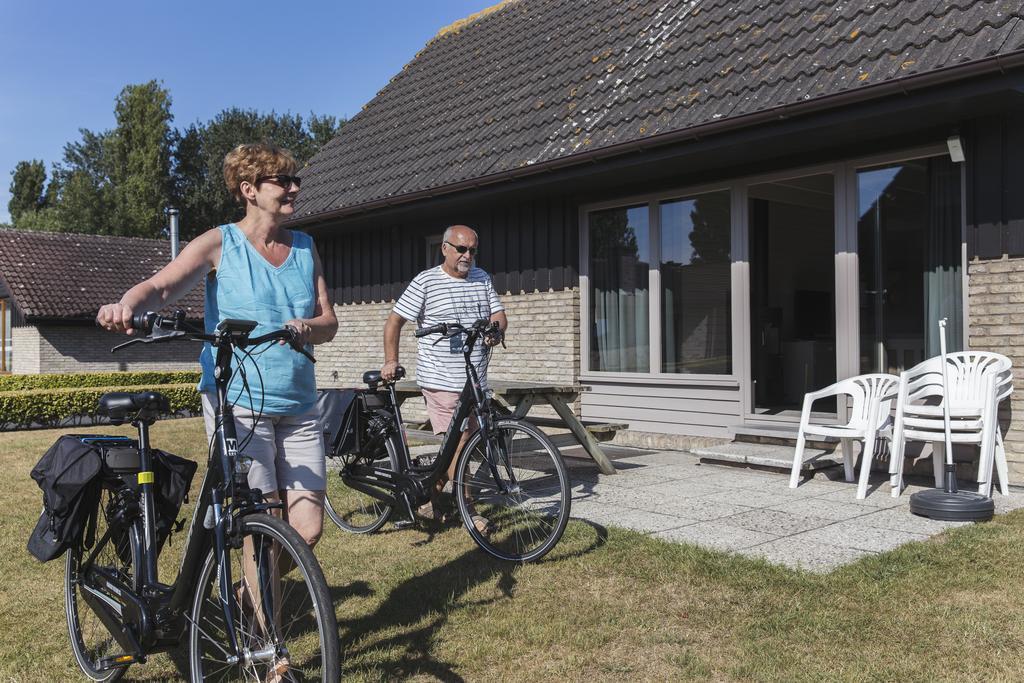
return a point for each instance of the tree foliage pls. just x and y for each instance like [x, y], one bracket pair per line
[202, 196]
[28, 188]
[120, 181]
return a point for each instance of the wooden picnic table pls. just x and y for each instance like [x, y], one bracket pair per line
[519, 397]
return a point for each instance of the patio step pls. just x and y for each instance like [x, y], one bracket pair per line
[767, 455]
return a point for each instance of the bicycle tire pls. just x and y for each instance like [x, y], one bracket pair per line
[521, 525]
[355, 511]
[90, 639]
[302, 603]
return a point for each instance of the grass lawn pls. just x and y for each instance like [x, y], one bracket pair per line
[606, 604]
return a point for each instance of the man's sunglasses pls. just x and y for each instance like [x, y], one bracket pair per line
[462, 249]
[282, 179]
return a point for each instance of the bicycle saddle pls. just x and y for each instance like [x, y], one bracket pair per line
[372, 377]
[118, 404]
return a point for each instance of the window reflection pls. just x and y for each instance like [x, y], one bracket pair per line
[695, 279]
[619, 275]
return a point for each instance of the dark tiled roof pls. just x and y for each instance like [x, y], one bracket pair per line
[537, 81]
[65, 275]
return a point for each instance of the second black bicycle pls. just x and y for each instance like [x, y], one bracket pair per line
[511, 486]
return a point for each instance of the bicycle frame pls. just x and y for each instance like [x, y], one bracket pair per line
[411, 481]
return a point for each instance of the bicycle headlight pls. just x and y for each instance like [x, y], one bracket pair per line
[243, 463]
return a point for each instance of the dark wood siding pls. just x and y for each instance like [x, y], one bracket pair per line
[995, 185]
[526, 246]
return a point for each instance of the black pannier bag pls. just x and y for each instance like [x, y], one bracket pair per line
[69, 476]
[340, 418]
[173, 478]
[115, 465]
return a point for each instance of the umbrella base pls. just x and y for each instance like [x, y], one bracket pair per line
[955, 506]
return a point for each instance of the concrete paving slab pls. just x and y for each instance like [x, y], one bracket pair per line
[716, 535]
[628, 518]
[776, 522]
[859, 537]
[875, 499]
[683, 488]
[901, 519]
[826, 509]
[805, 554]
[818, 526]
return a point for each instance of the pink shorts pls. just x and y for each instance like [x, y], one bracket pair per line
[440, 408]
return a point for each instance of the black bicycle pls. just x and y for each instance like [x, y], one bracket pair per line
[510, 484]
[250, 595]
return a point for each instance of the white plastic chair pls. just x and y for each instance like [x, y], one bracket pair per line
[872, 396]
[978, 381]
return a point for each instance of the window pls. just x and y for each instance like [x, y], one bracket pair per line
[696, 325]
[688, 247]
[619, 277]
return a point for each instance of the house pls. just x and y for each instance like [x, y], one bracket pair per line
[52, 284]
[701, 210]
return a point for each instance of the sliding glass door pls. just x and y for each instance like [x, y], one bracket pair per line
[909, 261]
[791, 226]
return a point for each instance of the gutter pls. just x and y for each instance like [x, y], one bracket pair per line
[996, 64]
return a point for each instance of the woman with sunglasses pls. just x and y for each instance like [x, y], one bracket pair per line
[255, 269]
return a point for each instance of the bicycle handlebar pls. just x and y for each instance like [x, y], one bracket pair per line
[234, 332]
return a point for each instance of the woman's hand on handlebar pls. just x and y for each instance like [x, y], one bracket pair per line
[302, 333]
[116, 318]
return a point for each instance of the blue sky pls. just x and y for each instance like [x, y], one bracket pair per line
[65, 62]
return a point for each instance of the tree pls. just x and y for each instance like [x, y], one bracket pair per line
[140, 155]
[28, 182]
[199, 182]
[82, 186]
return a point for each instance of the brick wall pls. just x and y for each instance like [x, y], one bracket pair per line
[543, 343]
[52, 348]
[996, 312]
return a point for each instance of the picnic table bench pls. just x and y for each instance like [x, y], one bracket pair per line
[517, 398]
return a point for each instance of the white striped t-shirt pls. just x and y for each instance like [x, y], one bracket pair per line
[435, 297]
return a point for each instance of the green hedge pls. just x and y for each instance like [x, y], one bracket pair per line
[95, 379]
[50, 407]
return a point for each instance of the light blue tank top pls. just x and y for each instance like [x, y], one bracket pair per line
[246, 286]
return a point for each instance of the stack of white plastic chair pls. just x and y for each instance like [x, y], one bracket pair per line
[872, 397]
[978, 381]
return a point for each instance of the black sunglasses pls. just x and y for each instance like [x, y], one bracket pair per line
[462, 249]
[282, 179]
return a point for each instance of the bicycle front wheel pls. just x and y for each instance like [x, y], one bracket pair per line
[352, 510]
[284, 621]
[514, 498]
[93, 645]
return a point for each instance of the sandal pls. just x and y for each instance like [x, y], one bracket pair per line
[483, 525]
[279, 672]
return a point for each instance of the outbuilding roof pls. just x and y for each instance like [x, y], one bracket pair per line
[532, 85]
[66, 276]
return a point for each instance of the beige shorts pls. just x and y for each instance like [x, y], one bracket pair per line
[287, 451]
[440, 408]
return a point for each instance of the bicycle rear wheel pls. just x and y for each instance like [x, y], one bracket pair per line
[352, 510]
[519, 515]
[284, 625]
[91, 642]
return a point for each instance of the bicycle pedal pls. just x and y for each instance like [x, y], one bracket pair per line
[404, 524]
[118, 661]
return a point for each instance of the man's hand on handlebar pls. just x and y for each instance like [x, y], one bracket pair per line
[387, 371]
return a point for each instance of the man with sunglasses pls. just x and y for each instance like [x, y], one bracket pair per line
[455, 291]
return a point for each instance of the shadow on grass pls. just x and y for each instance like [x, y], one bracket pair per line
[433, 597]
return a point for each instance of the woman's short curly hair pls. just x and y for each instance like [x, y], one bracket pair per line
[254, 160]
